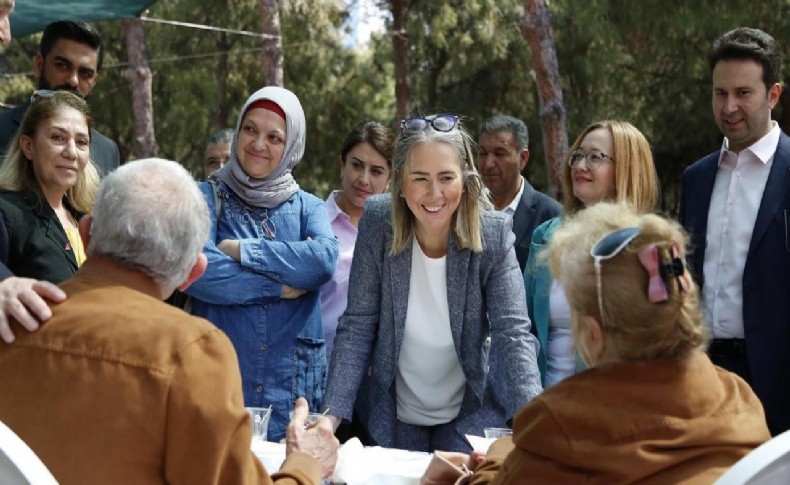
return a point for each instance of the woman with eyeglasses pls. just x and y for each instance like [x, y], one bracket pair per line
[609, 161]
[365, 167]
[270, 249]
[435, 308]
[651, 408]
[47, 183]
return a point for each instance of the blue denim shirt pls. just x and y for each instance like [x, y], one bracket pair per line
[279, 342]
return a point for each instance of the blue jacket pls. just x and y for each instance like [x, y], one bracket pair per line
[490, 328]
[537, 283]
[279, 342]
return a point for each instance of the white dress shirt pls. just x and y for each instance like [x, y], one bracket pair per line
[510, 209]
[735, 200]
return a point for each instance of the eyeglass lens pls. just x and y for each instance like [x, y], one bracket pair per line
[593, 158]
[439, 123]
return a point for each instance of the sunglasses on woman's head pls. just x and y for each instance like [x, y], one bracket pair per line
[445, 122]
[43, 93]
[609, 246]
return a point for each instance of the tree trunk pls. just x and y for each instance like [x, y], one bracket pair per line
[433, 78]
[272, 42]
[536, 29]
[400, 47]
[139, 76]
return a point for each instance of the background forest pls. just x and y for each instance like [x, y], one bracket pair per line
[639, 60]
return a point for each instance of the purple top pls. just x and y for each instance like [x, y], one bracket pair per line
[334, 293]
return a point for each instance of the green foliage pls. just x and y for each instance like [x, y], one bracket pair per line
[643, 61]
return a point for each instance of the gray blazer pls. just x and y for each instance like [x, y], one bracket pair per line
[488, 315]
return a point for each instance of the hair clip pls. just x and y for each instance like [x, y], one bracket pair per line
[656, 288]
[679, 268]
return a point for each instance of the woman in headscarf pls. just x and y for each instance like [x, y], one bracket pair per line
[270, 249]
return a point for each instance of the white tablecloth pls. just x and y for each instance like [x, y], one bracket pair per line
[358, 465]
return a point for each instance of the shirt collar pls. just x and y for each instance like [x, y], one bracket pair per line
[511, 208]
[332, 209]
[764, 148]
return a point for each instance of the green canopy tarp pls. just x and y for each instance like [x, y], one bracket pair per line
[31, 16]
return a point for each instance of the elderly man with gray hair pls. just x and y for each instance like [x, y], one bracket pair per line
[118, 386]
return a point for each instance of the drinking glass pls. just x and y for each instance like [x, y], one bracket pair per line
[260, 422]
[496, 433]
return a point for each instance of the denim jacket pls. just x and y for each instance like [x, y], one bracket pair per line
[279, 342]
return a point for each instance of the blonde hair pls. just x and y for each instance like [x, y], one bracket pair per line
[634, 328]
[16, 172]
[635, 176]
[467, 219]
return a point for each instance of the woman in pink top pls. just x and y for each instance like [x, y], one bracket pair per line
[365, 165]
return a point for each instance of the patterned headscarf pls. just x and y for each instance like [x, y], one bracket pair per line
[278, 186]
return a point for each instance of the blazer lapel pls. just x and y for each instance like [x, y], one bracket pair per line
[400, 278]
[58, 236]
[775, 192]
[699, 206]
[525, 211]
[55, 231]
[457, 274]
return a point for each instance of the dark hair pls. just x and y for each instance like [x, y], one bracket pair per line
[510, 124]
[375, 134]
[71, 30]
[745, 43]
[224, 135]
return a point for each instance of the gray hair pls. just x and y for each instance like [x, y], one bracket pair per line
[510, 124]
[224, 135]
[151, 216]
[474, 199]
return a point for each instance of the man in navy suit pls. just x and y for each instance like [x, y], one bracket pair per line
[735, 204]
[504, 153]
[69, 58]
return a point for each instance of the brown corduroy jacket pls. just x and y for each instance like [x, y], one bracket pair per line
[119, 387]
[664, 421]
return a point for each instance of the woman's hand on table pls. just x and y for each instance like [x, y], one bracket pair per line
[231, 247]
[318, 440]
[447, 467]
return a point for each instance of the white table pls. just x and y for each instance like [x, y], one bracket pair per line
[358, 465]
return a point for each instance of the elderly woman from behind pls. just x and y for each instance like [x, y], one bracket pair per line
[270, 249]
[48, 182]
[436, 307]
[651, 408]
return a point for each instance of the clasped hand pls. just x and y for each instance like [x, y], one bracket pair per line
[317, 440]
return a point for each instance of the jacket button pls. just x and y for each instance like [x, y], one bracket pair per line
[264, 347]
[259, 389]
[487, 342]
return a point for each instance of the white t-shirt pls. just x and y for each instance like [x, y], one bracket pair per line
[429, 382]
